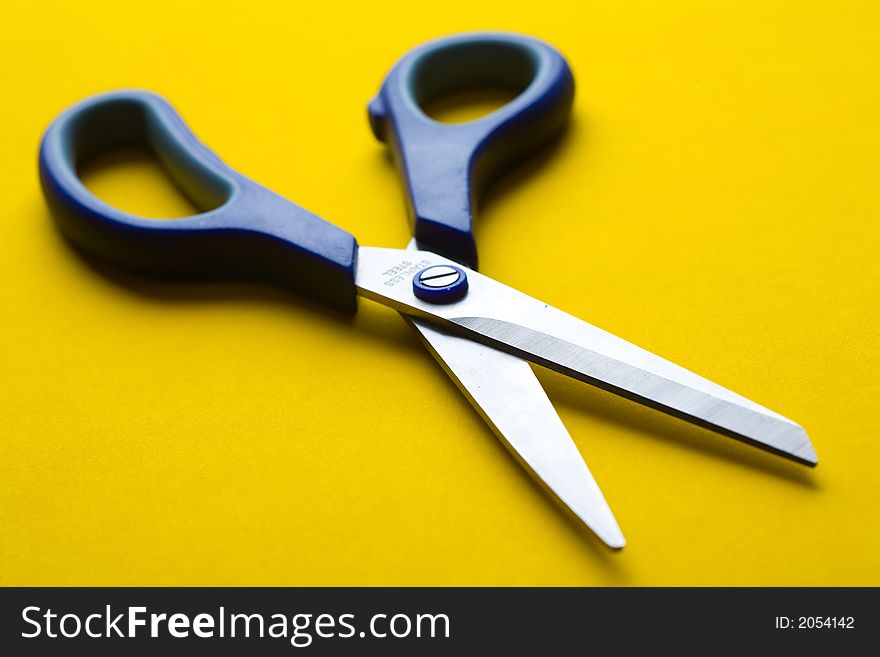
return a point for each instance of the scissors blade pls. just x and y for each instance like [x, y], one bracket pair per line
[506, 319]
[509, 397]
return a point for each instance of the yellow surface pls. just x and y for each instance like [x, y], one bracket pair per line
[716, 200]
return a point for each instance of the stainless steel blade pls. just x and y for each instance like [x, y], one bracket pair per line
[509, 320]
[506, 393]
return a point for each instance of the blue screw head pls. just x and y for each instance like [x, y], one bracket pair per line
[440, 284]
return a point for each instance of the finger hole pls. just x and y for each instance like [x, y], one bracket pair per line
[129, 155]
[464, 106]
[465, 81]
[133, 180]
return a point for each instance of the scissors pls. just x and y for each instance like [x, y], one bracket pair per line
[481, 331]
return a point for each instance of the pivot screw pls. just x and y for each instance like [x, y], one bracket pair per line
[440, 284]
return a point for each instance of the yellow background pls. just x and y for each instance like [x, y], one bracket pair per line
[716, 200]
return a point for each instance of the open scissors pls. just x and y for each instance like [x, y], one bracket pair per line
[483, 332]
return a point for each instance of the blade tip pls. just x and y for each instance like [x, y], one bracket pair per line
[605, 529]
[811, 460]
[615, 543]
[805, 451]
[612, 537]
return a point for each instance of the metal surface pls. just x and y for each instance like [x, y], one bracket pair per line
[506, 319]
[505, 392]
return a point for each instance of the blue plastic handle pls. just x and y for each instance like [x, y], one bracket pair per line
[446, 166]
[244, 232]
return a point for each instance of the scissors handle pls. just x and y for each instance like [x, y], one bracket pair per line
[446, 166]
[244, 230]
